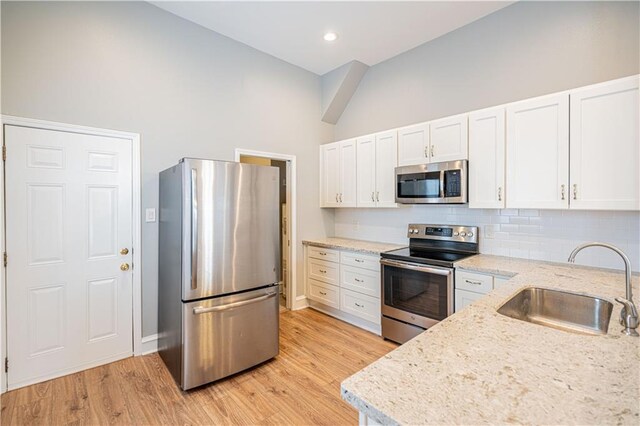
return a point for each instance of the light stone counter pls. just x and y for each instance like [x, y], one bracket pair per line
[353, 245]
[480, 367]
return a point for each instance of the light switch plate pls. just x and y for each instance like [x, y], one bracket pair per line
[150, 215]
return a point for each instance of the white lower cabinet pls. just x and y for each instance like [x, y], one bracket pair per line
[324, 293]
[346, 287]
[360, 305]
[471, 286]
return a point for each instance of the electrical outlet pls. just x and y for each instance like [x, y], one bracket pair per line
[150, 215]
[356, 225]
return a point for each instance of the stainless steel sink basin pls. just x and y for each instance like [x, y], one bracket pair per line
[561, 310]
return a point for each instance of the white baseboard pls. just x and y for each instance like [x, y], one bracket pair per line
[300, 302]
[149, 344]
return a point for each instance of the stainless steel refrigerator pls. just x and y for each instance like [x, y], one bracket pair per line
[219, 268]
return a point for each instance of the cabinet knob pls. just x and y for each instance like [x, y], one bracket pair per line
[124, 251]
[124, 267]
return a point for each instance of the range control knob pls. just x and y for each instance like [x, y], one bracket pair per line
[463, 234]
[455, 234]
[470, 234]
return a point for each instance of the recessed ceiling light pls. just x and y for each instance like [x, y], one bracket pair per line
[330, 36]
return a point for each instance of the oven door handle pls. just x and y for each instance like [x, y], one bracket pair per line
[414, 267]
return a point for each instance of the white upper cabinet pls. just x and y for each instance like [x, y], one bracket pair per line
[386, 161]
[348, 174]
[377, 159]
[538, 153]
[338, 174]
[366, 166]
[487, 158]
[329, 174]
[413, 145]
[604, 165]
[448, 139]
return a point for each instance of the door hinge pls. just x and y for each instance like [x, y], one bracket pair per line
[4, 153]
[6, 364]
[4, 259]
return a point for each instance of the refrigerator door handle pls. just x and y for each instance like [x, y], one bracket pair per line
[194, 230]
[200, 310]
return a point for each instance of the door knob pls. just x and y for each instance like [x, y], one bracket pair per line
[124, 251]
[124, 267]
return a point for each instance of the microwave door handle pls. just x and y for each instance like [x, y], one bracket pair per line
[441, 183]
[419, 268]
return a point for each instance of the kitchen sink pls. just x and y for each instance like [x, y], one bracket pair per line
[562, 310]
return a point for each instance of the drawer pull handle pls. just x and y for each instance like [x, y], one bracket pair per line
[322, 293]
[322, 271]
[358, 280]
[202, 310]
[473, 282]
[321, 253]
[359, 305]
[359, 260]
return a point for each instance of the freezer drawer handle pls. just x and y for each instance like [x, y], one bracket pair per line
[200, 310]
[194, 231]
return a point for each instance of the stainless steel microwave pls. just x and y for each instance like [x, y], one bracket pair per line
[435, 183]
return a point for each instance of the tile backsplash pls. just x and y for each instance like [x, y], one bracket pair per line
[524, 233]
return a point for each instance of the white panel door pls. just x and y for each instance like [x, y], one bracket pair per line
[366, 169]
[330, 170]
[69, 305]
[486, 159]
[538, 153]
[413, 145]
[449, 139]
[386, 162]
[348, 173]
[604, 147]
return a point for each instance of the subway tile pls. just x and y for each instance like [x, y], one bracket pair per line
[519, 220]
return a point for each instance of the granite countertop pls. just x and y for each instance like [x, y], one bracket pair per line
[479, 367]
[360, 246]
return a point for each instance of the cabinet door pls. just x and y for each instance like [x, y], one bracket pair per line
[486, 159]
[538, 153]
[329, 168]
[449, 139]
[386, 162]
[465, 298]
[347, 181]
[366, 170]
[413, 143]
[604, 153]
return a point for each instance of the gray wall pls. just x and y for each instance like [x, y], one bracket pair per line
[188, 91]
[524, 50]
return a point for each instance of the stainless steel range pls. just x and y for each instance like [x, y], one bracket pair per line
[418, 281]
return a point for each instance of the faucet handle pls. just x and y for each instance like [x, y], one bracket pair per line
[628, 316]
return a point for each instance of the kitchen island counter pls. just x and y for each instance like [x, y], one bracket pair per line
[480, 367]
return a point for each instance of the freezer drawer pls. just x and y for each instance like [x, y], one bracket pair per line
[225, 335]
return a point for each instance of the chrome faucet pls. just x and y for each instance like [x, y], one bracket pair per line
[629, 313]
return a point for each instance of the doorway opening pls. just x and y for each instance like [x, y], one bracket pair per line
[285, 164]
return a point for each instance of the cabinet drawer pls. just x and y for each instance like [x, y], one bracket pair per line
[324, 293]
[477, 283]
[321, 270]
[360, 305]
[323, 253]
[361, 280]
[360, 260]
[465, 298]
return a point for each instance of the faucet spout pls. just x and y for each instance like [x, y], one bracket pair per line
[629, 314]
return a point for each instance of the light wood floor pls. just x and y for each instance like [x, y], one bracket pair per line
[300, 386]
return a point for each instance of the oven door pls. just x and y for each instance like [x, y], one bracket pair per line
[417, 294]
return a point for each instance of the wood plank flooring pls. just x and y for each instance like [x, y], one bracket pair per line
[300, 386]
